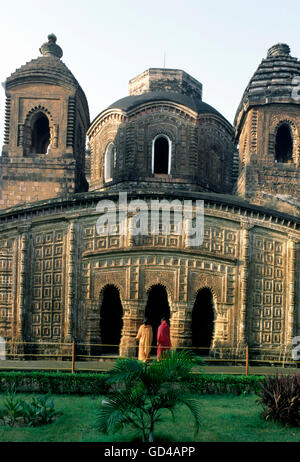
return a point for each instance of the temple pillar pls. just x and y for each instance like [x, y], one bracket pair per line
[91, 318]
[22, 275]
[134, 313]
[181, 325]
[70, 299]
[291, 305]
[22, 298]
[242, 331]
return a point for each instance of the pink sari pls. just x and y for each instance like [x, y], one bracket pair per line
[163, 339]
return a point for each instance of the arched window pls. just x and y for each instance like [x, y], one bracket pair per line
[283, 144]
[161, 155]
[40, 134]
[109, 162]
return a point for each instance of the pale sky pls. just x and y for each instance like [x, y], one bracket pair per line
[108, 42]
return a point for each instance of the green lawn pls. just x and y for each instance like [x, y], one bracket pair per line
[226, 418]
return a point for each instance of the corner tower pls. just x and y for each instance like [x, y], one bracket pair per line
[46, 119]
[267, 126]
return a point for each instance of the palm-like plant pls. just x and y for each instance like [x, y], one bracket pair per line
[141, 391]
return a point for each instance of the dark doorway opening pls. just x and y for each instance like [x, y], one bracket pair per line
[111, 320]
[283, 145]
[157, 307]
[161, 155]
[40, 137]
[203, 322]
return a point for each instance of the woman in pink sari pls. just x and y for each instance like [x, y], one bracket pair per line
[163, 339]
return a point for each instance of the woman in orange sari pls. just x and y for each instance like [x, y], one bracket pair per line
[145, 337]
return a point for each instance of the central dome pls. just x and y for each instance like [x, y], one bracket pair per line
[130, 102]
[163, 137]
[160, 84]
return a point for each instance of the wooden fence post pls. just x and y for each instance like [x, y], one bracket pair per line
[73, 357]
[247, 359]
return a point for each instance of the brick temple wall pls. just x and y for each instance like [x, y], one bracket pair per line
[29, 180]
[54, 269]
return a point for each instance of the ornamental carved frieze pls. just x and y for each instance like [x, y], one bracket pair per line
[267, 301]
[45, 319]
[198, 281]
[115, 277]
[166, 278]
[247, 223]
[7, 285]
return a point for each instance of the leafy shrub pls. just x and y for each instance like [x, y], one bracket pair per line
[13, 409]
[40, 411]
[223, 383]
[96, 383]
[54, 382]
[280, 399]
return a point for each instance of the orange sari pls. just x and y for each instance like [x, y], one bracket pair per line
[145, 337]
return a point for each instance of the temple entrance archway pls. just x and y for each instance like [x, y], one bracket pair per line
[111, 320]
[157, 307]
[203, 322]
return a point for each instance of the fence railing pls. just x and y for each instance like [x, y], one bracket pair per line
[78, 352]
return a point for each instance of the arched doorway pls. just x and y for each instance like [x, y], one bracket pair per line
[203, 322]
[157, 307]
[111, 320]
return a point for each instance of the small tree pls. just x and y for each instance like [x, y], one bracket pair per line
[141, 391]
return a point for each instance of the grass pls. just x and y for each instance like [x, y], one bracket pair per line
[226, 418]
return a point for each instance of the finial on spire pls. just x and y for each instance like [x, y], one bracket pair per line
[278, 49]
[50, 48]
